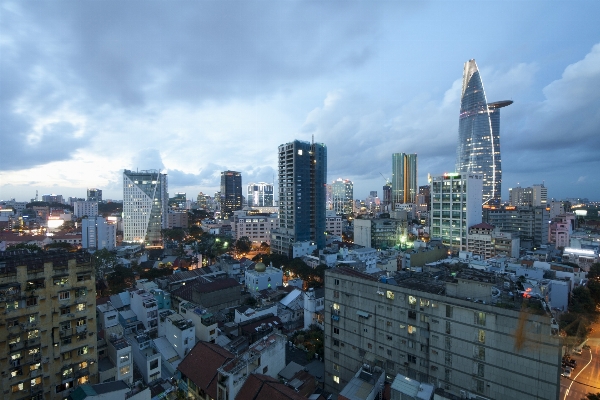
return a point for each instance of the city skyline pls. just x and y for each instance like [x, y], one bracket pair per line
[90, 89]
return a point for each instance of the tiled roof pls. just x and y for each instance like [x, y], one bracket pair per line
[482, 225]
[263, 387]
[201, 364]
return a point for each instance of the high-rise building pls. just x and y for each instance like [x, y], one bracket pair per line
[478, 150]
[404, 178]
[455, 206]
[302, 194]
[444, 329]
[259, 194]
[387, 197]
[83, 208]
[231, 193]
[47, 325]
[94, 194]
[529, 223]
[342, 196]
[536, 195]
[98, 233]
[145, 204]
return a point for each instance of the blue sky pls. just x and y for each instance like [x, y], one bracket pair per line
[89, 88]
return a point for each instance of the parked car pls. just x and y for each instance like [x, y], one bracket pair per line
[577, 350]
[572, 364]
[566, 372]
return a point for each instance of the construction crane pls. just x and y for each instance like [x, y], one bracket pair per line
[387, 180]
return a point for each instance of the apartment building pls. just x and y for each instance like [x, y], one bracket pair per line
[445, 329]
[47, 324]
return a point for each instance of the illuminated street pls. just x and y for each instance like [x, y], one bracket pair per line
[586, 377]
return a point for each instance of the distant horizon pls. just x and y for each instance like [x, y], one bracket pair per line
[90, 89]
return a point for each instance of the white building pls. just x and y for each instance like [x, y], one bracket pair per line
[179, 331]
[263, 277]
[97, 233]
[119, 352]
[205, 323]
[259, 194]
[333, 223]
[145, 307]
[145, 204]
[83, 208]
[256, 227]
[146, 358]
[314, 303]
[455, 206]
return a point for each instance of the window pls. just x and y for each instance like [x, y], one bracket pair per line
[479, 385]
[412, 314]
[412, 358]
[448, 343]
[124, 370]
[336, 331]
[369, 345]
[390, 337]
[336, 282]
[65, 325]
[336, 294]
[481, 336]
[480, 369]
[65, 310]
[412, 301]
[412, 329]
[32, 301]
[448, 311]
[83, 380]
[66, 340]
[66, 355]
[154, 364]
[424, 302]
[336, 354]
[336, 342]
[83, 350]
[81, 322]
[64, 295]
[479, 352]
[67, 372]
[389, 352]
[447, 375]
[479, 318]
[336, 367]
[448, 358]
[336, 379]
[390, 295]
[17, 388]
[61, 281]
[83, 365]
[411, 344]
[448, 328]
[388, 323]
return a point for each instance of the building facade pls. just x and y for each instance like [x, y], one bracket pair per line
[455, 206]
[145, 204]
[83, 208]
[536, 195]
[259, 194]
[231, 193]
[342, 196]
[47, 324]
[478, 150]
[302, 195]
[94, 194]
[530, 224]
[98, 233]
[427, 329]
[404, 178]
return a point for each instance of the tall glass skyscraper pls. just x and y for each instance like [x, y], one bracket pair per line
[478, 148]
[404, 178]
[231, 193]
[342, 196]
[259, 194]
[145, 203]
[302, 196]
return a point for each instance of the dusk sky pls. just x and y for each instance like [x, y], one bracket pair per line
[89, 88]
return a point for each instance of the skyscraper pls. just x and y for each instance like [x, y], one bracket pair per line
[231, 193]
[404, 178]
[478, 150]
[342, 196]
[94, 194]
[145, 202]
[302, 195]
[455, 207]
[260, 194]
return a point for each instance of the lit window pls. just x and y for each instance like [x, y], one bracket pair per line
[390, 295]
[336, 379]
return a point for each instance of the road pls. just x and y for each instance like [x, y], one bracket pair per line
[586, 378]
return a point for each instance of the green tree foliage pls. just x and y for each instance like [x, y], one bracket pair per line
[60, 245]
[107, 209]
[594, 272]
[581, 301]
[104, 259]
[592, 396]
[594, 288]
[154, 273]
[33, 248]
[120, 279]
[175, 234]
[243, 245]
[213, 246]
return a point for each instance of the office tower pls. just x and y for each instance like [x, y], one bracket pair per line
[404, 178]
[98, 233]
[442, 329]
[478, 150]
[528, 222]
[231, 193]
[52, 198]
[425, 191]
[145, 203]
[47, 324]
[536, 195]
[342, 196]
[94, 195]
[83, 208]
[455, 206]
[387, 197]
[302, 186]
[260, 194]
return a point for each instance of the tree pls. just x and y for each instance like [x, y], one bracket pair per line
[594, 272]
[104, 260]
[120, 279]
[582, 301]
[33, 248]
[592, 396]
[175, 234]
[243, 245]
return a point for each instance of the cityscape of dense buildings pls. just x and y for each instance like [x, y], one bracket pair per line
[439, 291]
